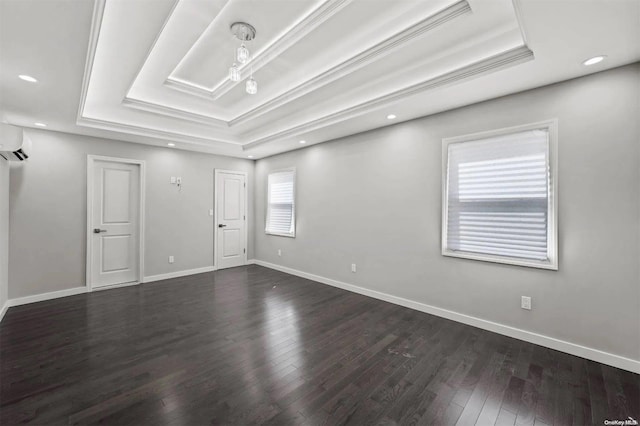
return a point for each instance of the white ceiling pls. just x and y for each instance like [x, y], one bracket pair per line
[156, 71]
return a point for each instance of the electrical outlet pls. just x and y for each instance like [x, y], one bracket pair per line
[353, 267]
[526, 303]
[279, 252]
[173, 180]
[171, 259]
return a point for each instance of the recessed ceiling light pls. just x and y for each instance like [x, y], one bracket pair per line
[303, 141]
[27, 78]
[594, 60]
[40, 124]
[391, 116]
[171, 144]
[249, 156]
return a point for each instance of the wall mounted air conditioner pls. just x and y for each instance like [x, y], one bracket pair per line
[14, 144]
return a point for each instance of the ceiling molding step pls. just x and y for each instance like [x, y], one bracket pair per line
[305, 26]
[288, 39]
[184, 87]
[147, 56]
[96, 22]
[492, 64]
[517, 7]
[173, 112]
[113, 126]
[360, 60]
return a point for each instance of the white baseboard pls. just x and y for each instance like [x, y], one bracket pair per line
[251, 262]
[109, 287]
[517, 333]
[4, 309]
[159, 277]
[79, 290]
[46, 296]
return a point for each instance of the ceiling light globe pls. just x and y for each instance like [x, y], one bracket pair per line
[234, 73]
[594, 60]
[27, 78]
[242, 54]
[252, 86]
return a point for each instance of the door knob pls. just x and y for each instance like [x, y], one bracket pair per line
[98, 230]
[220, 225]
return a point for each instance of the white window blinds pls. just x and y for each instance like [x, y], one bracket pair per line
[498, 197]
[281, 212]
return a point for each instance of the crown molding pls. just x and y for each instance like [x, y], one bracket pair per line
[184, 87]
[305, 26]
[173, 112]
[311, 21]
[492, 64]
[96, 23]
[340, 70]
[152, 47]
[360, 60]
[352, 64]
[131, 129]
[517, 8]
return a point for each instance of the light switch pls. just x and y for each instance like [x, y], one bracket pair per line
[173, 180]
[210, 212]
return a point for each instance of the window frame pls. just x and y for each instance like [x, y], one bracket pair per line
[551, 126]
[268, 204]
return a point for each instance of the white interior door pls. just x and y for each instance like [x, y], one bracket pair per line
[115, 223]
[231, 223]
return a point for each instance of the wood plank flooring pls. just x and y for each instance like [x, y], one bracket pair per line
[252, 345]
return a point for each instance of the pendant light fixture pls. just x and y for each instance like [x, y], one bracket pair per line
[234, 73]
[245, 33]
[242, 54]
[251, 86]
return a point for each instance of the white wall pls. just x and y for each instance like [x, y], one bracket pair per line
[374, 199]
[4, 231]
[48, 210]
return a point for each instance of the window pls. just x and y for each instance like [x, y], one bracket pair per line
[281, 209]
[499, 196]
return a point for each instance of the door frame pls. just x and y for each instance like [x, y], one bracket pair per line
[91, 159]
[216, 174]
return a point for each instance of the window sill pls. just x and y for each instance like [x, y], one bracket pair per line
[280, 235]
[550, 265]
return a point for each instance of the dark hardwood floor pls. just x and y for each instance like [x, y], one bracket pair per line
[255, 346]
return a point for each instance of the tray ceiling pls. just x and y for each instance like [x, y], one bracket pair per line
[316, 63]
[158, 71]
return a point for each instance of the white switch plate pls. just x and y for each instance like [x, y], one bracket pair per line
[279, 252]
[210, 212]
[353, 267]
[173, 180]
[170, 259]
[526, 303]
